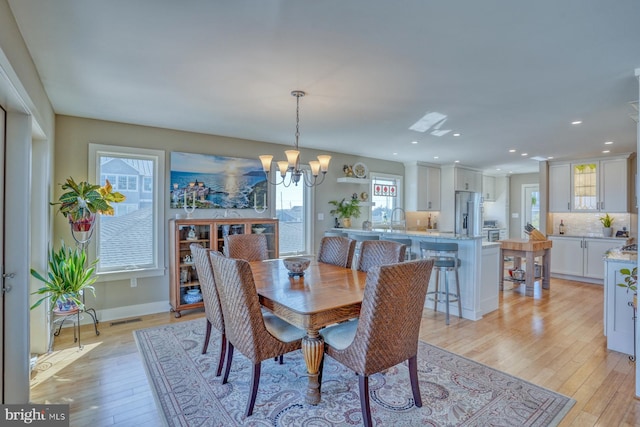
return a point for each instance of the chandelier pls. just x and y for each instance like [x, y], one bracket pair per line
[291, 166]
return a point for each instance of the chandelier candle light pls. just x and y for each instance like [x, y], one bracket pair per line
[292, 164]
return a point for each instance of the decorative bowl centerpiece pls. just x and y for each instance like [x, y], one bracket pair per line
[296, 265]
[258, 230]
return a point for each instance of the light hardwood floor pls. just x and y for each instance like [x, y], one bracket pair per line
[554, 340]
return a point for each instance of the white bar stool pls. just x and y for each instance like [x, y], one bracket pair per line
[445, 256]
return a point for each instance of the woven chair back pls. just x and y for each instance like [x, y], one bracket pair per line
[244, 322]
[337, 251]
[249, 247]
[374, 253]
[389, 323]
[210, 298]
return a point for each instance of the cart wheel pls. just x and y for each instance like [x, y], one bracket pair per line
[178, 314]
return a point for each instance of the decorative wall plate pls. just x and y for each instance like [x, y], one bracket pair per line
[360, 170]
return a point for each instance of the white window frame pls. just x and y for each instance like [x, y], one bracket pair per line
[400, 192]
[157, 267]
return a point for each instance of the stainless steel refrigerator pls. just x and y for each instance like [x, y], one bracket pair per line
[468, 213]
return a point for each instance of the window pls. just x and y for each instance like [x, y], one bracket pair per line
[386, 195]
[132, 240]
[293, 210]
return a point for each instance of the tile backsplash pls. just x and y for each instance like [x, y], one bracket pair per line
[583, 224]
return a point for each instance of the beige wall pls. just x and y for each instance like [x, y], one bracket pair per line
[71, 159]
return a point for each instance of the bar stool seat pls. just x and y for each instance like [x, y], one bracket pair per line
[445, 257]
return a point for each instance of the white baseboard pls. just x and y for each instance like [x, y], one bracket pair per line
[127, 311]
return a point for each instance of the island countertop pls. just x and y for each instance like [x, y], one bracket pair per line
[409, 233]
[618, 255]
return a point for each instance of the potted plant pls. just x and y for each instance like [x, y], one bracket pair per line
[67, 278]
[606, 225]
[345, 210]
[82, 200]
[630, 282]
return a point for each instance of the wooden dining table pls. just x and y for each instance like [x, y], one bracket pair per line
[325, 295]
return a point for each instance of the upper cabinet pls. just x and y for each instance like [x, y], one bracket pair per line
[590, 186]
[422, 187]
[467, 180]
[488, 188]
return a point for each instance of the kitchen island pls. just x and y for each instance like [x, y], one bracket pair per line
[618, 311]
[478, 272]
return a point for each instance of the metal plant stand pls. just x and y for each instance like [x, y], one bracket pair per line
[83, 238]
[635, 315]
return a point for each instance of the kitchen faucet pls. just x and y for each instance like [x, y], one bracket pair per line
[402, 222]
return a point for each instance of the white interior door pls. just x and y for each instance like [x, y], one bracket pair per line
[3, 122]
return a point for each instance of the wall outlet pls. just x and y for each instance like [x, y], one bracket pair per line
[134, 282]
[320, 216]
[515, 215]
[418, 222]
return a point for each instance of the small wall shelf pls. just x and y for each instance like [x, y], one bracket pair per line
[350, 180]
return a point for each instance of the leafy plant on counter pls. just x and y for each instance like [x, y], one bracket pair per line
[345, 209]
[606, 221]
[630, 279]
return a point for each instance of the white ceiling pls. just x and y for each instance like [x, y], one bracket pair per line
[508, 74]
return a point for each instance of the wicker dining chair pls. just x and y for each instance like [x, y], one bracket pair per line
[249, 247]
[380, 252]
[256, 336]
[387, 331]
[337, 251]
[210, 298]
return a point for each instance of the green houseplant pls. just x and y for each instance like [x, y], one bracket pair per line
[345, 210]
[67, 278]
[630, 282]
[82, 200]
[606, 225]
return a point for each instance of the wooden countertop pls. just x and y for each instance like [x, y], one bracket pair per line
[525, 245]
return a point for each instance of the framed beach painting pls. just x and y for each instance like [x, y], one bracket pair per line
[208, 181]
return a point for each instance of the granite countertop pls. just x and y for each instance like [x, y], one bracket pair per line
[591, 236]
[409, 233]
[618, 255]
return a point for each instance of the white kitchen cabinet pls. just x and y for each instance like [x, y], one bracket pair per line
[422, 187]
[581, 257]
[468, 180]
[488, 188]
[590, 186]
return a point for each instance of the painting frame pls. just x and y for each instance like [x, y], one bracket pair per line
[211, 181]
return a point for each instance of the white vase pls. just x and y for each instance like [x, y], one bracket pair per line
[607, 231]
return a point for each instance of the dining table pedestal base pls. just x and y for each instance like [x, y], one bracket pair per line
[313, 351]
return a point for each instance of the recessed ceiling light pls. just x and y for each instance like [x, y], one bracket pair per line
[456, 134]
[457, 161]
[606, 151]
[512, 151]
[498, 169]
[414, 142]
[395, 154]
[576, 122]
[550, 157]
[608, 143]
[436, 157]
[524, 154]
[510, 171]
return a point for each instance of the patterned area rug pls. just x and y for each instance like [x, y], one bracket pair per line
[455, 391]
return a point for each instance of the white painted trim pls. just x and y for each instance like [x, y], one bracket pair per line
[127, 311]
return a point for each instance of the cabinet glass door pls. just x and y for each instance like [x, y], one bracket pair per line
[585, 187]
[226, 230]
[189, 284]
